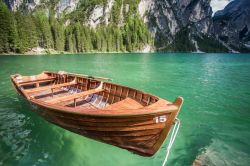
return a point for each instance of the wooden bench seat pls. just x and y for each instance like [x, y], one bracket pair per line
[127, 103]
[35, 81]
[49, 87]
[74, 96]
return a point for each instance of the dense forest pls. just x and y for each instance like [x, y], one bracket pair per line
[21, 31]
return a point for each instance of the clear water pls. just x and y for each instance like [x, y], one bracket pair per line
[215, 117]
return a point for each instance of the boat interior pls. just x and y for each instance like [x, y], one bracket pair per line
[77, 91]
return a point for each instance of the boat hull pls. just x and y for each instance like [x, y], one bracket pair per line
[138, 134]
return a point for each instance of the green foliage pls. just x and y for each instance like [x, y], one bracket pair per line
[133, 5]
[43, 30]
[57, 31]
[7, 30]
[26, 30]
[133, 36]
[208, 44]
[182, 42]
[68, 40]
[116, 12]
[83, 10]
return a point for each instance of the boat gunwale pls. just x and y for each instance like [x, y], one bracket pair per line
[98, 114]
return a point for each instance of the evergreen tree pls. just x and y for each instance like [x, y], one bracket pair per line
[87, 39]
[98, 41]
[7, 30]
[116, 12]
[57, 30]
[44, 30]
[26, 30]
[78, 37]
[68, 40]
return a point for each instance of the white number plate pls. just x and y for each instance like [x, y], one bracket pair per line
[160, 119]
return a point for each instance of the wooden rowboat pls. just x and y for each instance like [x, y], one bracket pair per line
[104, 111]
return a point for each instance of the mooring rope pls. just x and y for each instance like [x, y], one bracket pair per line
[172, 139]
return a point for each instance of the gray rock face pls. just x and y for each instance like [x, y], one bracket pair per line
[14, 5]
[62, 6]
[99, 12]
[65, 6]
[232, 24]
[166, 17]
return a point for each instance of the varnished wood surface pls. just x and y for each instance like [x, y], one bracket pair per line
[37, 81]
[74, 96]
[138, 133]
[127, 103]
[110, 113]
[49, 87]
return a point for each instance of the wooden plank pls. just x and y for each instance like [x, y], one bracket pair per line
[116, 123]
[76, 117]
[49, 87]
[123, 133]
[114, 128]
[127, 103]
[89, 77]
[36, 81]
[73, 96]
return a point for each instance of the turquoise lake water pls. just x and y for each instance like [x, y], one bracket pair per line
[215, 119]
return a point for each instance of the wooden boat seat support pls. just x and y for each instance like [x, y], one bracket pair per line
[49, 87]
[74, 96]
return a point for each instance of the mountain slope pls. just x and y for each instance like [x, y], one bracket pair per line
[166, 18]
[116, 25]
[232, 25]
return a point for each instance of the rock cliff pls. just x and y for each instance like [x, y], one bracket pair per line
[232, 25]
[15, 5]
[167, 17]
